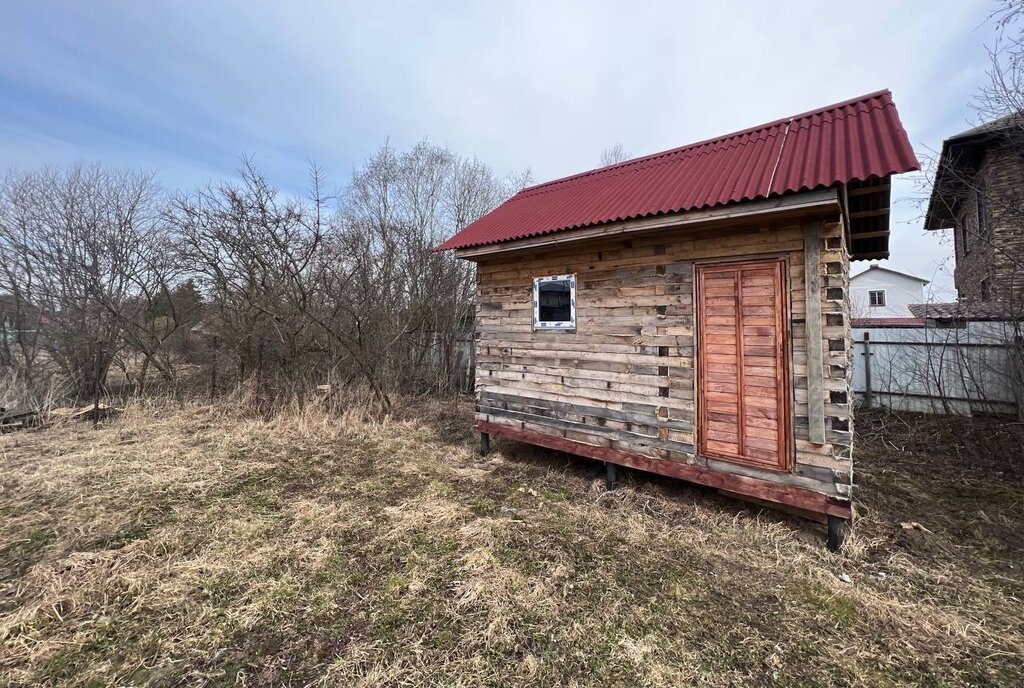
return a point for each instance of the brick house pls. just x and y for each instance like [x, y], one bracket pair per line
[979, 194]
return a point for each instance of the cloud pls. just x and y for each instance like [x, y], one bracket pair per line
[189, 88]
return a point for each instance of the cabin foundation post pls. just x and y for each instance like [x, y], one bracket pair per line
[837, 528]
[485, 443]
[612, 475]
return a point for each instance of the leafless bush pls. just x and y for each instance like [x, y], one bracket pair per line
[965, 368]
[252, 254]
[401, 311]
[81, 263]
[240, 285]
[977, 356]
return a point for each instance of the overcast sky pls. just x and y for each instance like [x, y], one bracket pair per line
[187, 88]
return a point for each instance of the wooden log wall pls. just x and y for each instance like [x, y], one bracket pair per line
[624, 380]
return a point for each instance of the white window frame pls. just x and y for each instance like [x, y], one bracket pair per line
[564, 325]
[871, 293]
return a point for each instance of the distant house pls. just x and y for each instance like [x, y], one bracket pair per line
[882, 297]
[979, 194]
[16, 319]
[687, 313]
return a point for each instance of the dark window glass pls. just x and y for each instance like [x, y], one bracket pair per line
[986, 290]
[555, 303]
[982, 211]
[964, 231]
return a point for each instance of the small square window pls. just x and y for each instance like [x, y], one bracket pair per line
[554, 302]
[876, 297]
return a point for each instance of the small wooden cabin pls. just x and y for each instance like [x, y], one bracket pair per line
[687, 313]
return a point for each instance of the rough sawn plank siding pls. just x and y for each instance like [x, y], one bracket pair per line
[624, 379]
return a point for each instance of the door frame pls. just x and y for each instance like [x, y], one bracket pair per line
[787, 391]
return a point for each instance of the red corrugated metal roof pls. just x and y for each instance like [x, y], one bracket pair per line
[853, 140]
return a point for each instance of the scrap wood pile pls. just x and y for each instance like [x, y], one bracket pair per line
[21, 420]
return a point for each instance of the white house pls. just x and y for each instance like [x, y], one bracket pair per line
[881, 293]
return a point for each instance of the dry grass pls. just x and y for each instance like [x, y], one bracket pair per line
[203, 547]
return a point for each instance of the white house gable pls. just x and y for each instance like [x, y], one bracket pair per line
[883, 293]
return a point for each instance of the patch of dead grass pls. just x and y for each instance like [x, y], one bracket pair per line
[201, 546]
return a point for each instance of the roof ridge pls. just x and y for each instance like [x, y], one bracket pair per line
[993, 126]
[884, 268]
[696, 144]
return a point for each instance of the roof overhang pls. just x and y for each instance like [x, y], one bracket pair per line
[821, 201]
[866, 205]
[958, 159]
[964, 311]
[853, 145]
[961, 156]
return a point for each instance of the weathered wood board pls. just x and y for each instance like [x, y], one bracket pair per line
[626, 380]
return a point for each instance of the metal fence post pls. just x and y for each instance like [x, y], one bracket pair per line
[1016, 355]
[97, 373]
[867, 370]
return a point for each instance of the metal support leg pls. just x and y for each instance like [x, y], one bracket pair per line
[485, 444]
[613, 475]
[837, 528]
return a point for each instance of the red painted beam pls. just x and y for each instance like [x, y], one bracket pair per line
[740, 484]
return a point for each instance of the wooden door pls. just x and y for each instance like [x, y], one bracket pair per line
[742, 380]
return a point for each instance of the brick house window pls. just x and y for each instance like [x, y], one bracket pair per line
[986, 290]
[876, 297]
[983, 219]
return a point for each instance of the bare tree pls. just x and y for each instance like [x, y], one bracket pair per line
[253, 255]
[984, 196]
[99, 269]
[614, 155]
[1003, 94]
[77, 246]
[404, 310]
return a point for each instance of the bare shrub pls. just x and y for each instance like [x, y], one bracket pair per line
[400, 310]
[238, 285]
[80, 261]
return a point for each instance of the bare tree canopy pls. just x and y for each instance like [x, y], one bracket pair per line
[84, 258]
[978, 192]
[614, 155]
[1003, 94]
[235, 282]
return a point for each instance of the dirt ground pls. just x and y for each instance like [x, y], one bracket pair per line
[200, 546]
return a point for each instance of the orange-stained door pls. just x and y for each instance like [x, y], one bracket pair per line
[741, 377]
